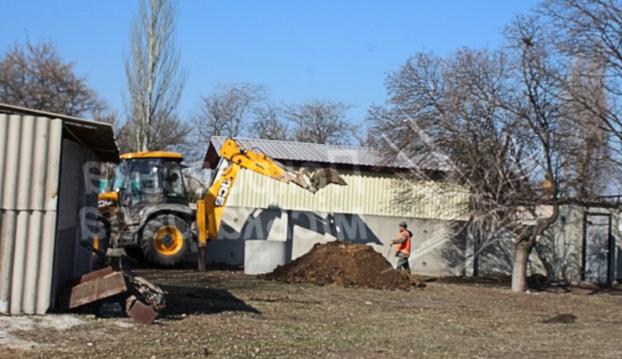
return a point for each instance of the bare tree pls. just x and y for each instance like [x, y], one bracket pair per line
[34, 76]
[112, 117]
[321, 121]
[537, 104]
[496, 115]
[591, 32]
[527, 128]
[268, 123]
[457, 106]
[153, 79]
[227, 111]
[585, 138]
[587, 35]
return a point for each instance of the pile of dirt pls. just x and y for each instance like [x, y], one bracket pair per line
[345, 264]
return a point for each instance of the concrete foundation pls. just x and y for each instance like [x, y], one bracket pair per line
[261, 256]
[438, 248]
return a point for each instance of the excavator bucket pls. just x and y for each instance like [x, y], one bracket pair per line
[315, 181]
[325, 176]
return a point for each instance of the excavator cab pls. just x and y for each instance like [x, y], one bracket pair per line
[149, 180]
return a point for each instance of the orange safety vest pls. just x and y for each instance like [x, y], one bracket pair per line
[404, 247]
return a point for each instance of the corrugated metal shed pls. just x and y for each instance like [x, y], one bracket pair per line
[367, 193]
[29, 163]
[302, 152]
[31, 151]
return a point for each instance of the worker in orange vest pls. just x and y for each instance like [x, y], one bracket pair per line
[403, 247]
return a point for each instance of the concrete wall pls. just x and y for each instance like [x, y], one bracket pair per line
[558, 253]
[440, 248]
[436, 248]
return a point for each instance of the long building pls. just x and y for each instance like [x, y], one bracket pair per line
[378, 195]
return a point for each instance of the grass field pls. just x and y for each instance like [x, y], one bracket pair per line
[227, 314]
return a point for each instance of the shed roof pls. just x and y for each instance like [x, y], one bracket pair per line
[303, 152]
[97, 136]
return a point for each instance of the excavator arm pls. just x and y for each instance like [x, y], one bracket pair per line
[211, 206]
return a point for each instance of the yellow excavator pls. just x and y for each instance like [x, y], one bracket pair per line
[146, 204]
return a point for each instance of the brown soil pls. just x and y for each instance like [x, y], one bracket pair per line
[345, 264]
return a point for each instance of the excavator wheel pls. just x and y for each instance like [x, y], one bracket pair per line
[165, 239]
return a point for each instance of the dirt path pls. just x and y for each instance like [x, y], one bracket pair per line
[227, 314]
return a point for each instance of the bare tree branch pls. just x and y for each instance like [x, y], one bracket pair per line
[227, 111]
[153, 79]
[34, 76]
[269, 124]
[321, 121]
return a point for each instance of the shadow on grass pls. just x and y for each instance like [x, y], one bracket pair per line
[603, 289]
[190, 262]
[486, 281]
[535, 282]
[197, 300]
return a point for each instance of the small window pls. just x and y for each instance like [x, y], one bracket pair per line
[173, 180]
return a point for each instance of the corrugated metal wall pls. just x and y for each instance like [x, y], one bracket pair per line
[72, 259]
[366, 193]
[29, 164]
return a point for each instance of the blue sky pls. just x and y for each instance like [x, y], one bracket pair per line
[299, 50]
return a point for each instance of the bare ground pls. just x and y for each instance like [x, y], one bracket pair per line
[227, 314]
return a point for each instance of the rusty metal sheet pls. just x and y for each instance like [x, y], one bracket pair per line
[141, 312]
[95, 274]
[96, 289]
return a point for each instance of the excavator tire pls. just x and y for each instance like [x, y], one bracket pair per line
[165, 239]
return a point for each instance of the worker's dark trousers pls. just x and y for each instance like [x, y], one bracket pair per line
[402, 262]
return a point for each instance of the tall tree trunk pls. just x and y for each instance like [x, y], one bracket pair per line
[523, 247]
[519, 269]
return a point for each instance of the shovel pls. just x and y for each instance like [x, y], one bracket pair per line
[388, 255]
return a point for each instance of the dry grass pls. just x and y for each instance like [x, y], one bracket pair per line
[227, 314]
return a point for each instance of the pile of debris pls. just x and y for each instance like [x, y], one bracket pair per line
[345, 264]
[110, 293]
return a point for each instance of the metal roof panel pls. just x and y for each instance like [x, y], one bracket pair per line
[98, 136]
[330, 154]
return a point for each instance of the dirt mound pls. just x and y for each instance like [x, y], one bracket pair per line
[345, 264]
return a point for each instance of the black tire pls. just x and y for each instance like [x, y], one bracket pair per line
[160, 241]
